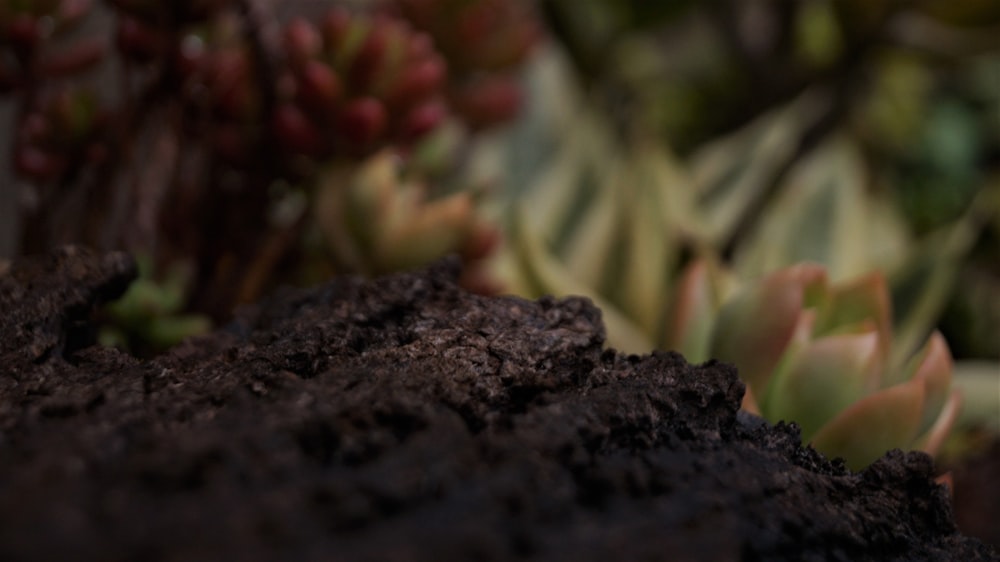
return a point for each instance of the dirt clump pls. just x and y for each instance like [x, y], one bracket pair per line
[405, 419]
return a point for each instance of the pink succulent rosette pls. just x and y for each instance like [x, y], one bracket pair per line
[820, 355]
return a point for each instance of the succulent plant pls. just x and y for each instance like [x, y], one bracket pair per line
[819, 354]
[485, 43]
[149, 317]
[617, 224]
[356, 84]
[375, 220]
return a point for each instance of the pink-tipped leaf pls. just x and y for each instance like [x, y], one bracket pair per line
[821, 379]
[753, 329]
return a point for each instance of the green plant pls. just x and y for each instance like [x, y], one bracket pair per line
[819, 354]
[379, 220]
[617, 218]
[149, 317]
[207, 132]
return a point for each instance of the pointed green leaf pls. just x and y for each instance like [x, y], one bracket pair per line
[821, 214]
[933, 439]
[651, 245]
[731, 172]
[860, 305]
[691, 313]
[753, 328]
[821, 379]
[933, 367]
[554, 190]
[921, 287]
[591, 240]
[872, 426]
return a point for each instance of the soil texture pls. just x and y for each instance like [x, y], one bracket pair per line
[404, 419]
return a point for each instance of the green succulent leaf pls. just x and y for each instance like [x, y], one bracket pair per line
[933, 367]
[932, 441]
[691, 313]
[824, 214]
[754, 328]
[857, 306]
[652, 240]
[592, 243]
[882, 421]
[821, 379]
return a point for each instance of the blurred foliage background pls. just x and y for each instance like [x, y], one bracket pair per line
[593, 147]
[758, 105]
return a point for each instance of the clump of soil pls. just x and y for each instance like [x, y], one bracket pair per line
[404, 419]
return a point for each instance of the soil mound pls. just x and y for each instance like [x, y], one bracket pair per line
[405, 419]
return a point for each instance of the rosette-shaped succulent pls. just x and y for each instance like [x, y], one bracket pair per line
[357, 83]
[376, 221]
[484, 41]
[820, 355]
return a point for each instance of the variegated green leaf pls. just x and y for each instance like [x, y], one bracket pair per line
[923, 284]
[732, 172]
[823, 214]
[546, 276]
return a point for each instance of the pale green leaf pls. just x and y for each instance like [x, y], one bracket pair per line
[821, 214]
[979, 384]
[733, 171]
[546, 276]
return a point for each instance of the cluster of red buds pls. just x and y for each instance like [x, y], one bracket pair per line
[60, 132]
[58, 125]
[26, 29]
[208, 65]
[357, 83]
[484, 41]
[221, 90]
[254, 106]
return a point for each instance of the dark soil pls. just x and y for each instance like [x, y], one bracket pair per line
[403, 419]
